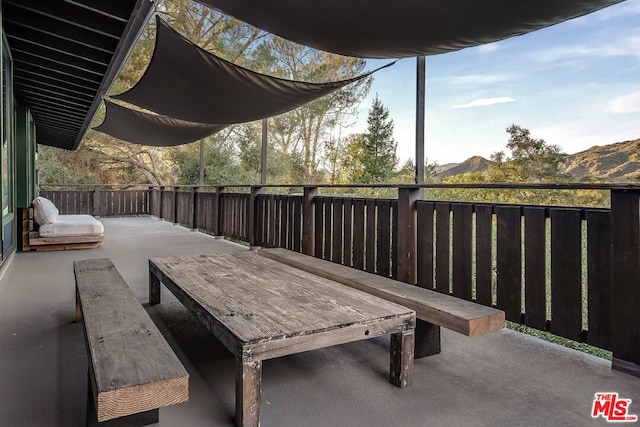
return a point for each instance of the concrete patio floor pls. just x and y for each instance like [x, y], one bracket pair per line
[501, 379]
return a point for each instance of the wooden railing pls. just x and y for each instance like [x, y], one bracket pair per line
[571, 271]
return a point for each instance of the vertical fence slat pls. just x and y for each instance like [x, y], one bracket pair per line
[383, 248]
[424, 250]
[297, 225]
[370, 247]
[599, 277]
[566, 285]
[358, 234]
[462, 249]
[336, 238]
[348, 226]
[443, 247]
[509, 261]
[318, 227]
[484, 269]
[328, 213]
[535, 267]
[394, 239]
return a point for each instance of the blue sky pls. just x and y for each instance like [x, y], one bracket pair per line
[576, 84]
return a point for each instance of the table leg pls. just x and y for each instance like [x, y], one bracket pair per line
[248, 393]
[402, 345]
[154, 289]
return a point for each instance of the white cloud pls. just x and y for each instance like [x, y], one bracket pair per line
[488, 48]
[622, 104]
[628, 46]
[479, 79]
[484, 102]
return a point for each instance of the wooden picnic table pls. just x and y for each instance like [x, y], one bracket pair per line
[262, 309]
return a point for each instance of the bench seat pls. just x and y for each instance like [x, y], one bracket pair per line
[462, 316]
[132, 369]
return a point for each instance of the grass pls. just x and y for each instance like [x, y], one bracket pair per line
[547, 336]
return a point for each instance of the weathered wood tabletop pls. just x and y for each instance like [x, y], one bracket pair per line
[262, 309]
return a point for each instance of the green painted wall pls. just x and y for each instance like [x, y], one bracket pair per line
[25, 158]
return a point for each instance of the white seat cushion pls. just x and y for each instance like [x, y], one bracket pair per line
[44, 211]
[72, 225]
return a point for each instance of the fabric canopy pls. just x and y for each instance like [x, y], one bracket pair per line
[186, 82]
[402, 28]
[151, 129]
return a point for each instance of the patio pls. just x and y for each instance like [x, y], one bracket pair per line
[503, 378]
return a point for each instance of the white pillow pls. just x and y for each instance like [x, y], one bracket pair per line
[44, 211]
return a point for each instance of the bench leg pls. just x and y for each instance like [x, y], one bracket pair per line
[135, 420]
[402, 359]
[154, 289]
[427, 339]
[248, 393]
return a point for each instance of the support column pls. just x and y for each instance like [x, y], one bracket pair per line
[263, 155]
[201, 178]
[420, 125]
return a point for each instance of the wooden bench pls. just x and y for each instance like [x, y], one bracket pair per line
[433, 309]
[132, 370]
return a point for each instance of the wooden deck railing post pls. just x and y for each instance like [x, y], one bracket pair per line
[175, 205]
[253, 216]
[308, 220]
[625, 280]
[161, 213]
[218, 215]
[427, 334]
[407, 234]
[150, 199]
[196, 201]
[96, 201]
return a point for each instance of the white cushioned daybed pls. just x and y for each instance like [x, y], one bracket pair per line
[57, 231]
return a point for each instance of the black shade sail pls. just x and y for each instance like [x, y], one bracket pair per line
[402, 28]
[150, 129]
[188, 83]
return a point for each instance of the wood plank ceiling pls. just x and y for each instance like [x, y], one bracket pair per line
[66, 54]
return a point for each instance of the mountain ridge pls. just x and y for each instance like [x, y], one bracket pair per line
[619, 161]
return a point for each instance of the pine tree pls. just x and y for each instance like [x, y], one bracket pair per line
[377, 154]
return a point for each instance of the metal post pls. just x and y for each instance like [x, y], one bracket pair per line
[420, 125]
[263, 155]
[201, 180]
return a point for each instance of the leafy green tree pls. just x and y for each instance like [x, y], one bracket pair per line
[377, 150]
[532, 160]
